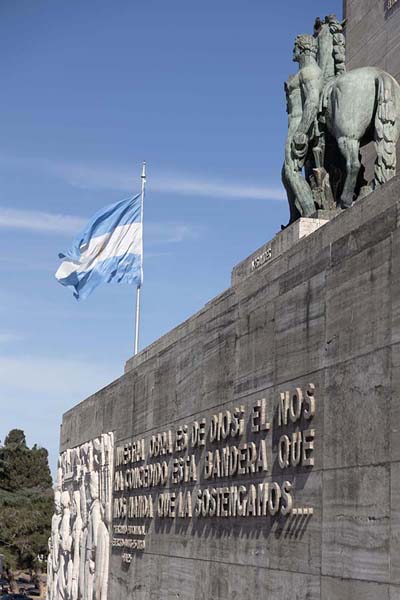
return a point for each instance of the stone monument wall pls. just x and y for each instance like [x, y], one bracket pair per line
[373, 39]
[257, 445]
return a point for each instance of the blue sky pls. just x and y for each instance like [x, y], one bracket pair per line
[90, 89]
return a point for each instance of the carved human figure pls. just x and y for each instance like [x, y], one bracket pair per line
[77, 546]
[50, 573]
[65, 571]
[97, 546]
[107, 441]
[84, 514]
[54, 547]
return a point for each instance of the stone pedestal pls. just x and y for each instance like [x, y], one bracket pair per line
[302, 352]
[279, 244]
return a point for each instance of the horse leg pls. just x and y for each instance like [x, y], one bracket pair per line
[350, 150]
[299, 193]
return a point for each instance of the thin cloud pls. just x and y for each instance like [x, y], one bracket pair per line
[7, 338]
[102, 177]
[170, 233]
[38, 221]
[214, 189]
[52, 223]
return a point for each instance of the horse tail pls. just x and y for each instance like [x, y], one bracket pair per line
[386, 131]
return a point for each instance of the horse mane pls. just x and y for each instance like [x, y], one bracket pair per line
[331, 46]
[339, 46]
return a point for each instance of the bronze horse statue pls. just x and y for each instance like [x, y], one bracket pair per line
[358, 107]
[346, 110]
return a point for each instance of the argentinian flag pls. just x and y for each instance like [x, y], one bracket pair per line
[108, 250]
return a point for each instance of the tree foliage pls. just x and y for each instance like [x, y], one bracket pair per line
[26, 501]
[23, 467]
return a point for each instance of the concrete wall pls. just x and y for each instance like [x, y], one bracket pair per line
[373, 39]
[327, 311]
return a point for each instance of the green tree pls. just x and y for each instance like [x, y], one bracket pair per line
[26, 502]
[23, 467]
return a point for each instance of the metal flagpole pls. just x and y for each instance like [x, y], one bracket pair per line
[143, 177]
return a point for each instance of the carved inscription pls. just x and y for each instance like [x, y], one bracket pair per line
[261, 259]
[216, 466]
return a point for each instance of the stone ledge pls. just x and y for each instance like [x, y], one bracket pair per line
[279, 244]
[290, 243]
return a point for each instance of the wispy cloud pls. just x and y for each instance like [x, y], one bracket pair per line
[39, 221]
[123, 179]
[216, 189]
[7, 338]
[52, 223]
[170, 233]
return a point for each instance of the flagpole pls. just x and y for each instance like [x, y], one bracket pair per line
[137, 320]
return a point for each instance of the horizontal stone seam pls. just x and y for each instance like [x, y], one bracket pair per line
[361, 355]
[232, 291]
[384, 464]
[243, 282]
[162, 339]
[200, 412]
[317, 575]
[223, 481]
[178, 336]
[92, 397]
[246, 395]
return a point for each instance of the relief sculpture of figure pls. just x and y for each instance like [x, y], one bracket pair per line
[54, 547]
[65, 576]
[84, 513]
[79, 546]
[96, 572]
[50, 574]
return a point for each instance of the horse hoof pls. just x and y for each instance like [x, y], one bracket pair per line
[365, 191]
[345, 204]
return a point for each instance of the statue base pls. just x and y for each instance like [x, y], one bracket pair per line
[280, 243]
[304, 352]
[326, 215]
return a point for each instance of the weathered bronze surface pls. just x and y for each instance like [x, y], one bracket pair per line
[332, 114]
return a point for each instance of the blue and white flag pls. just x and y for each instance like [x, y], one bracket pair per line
[108, 250]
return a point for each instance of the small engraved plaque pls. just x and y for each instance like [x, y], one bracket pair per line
[261, 259]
